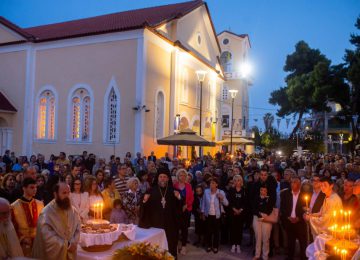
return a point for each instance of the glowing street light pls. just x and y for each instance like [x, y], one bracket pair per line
[245, 69]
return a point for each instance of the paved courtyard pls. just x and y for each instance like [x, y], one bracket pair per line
[224, 253]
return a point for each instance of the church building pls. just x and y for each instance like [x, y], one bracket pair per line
[117, 82]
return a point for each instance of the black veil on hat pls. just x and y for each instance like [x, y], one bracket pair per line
[166, 171]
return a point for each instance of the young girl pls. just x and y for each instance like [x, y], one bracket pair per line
[199, 222]
[118, 215]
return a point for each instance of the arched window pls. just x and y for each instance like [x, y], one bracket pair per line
[226, 61]
[46, 115]
[185, 86]
[159, 115]
[80, 115]
[112, 114]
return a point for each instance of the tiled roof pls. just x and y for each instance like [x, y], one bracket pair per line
[123, 21]
[5, 104]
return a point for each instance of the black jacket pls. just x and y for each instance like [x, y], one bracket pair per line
[286, 206]
[237, 200]
[318, 203]
[262, 205]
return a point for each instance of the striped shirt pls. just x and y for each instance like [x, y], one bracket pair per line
[120, 184]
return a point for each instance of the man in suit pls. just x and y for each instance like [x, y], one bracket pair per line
[316, 202]
[291, 212]
[317, 197]
[152, 157]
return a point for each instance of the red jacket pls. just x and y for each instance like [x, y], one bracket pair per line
[189, 195]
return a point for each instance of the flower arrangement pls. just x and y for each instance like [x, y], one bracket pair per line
[143, 251]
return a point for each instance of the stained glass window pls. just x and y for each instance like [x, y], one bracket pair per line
[81, 109]
[46, 116]
[112, 132]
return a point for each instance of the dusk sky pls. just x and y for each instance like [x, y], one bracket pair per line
[274, 28]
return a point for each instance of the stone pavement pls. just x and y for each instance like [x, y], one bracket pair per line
[199, 253]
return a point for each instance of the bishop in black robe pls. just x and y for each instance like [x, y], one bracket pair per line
[161, 208]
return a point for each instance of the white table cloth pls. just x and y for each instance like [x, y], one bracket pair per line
[87, 239]
[315, 251]
[155, 236]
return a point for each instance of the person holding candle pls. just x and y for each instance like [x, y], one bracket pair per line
[291, 211]
[95, 197]
[321, 221]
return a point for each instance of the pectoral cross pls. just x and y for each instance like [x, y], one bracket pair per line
[163, 202]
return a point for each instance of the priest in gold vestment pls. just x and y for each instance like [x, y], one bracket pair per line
[24, 213]
[9, 242]
[58, 228]
[320, 222]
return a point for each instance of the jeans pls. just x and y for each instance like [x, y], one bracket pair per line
[184, 225]
[236, 229]
[213, 229]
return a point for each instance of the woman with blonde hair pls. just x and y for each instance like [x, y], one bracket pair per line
[237, 206]
[187, 199]
[131, 200]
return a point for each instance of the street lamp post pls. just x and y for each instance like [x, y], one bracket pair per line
[341, 142]
[176, 131]
[201, 77]
[233, 93]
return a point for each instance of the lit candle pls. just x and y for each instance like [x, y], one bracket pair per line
[306, 202]
[349, 217]
[101, 209]
[345, 221]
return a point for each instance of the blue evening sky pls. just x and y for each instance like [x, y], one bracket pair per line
[274, 27]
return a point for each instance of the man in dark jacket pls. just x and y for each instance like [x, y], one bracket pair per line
[291, 212]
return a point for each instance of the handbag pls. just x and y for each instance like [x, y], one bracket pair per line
[222, 214]
[273, 217]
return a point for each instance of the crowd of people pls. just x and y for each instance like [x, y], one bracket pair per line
[226, 195]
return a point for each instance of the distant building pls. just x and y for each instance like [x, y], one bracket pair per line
[336, 128]
[115, 83]
[235, 51]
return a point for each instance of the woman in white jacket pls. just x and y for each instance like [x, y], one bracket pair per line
[80, 199]
[212, 207]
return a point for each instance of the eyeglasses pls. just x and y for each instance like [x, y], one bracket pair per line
[123, 168]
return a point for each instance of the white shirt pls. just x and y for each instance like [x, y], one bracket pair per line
[212, 211]
[294, 200]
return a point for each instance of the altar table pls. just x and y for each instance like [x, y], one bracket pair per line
[315, 250]
[155, 236]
